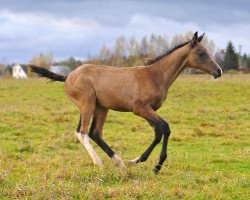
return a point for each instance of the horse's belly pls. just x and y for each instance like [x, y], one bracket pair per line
[115, 101]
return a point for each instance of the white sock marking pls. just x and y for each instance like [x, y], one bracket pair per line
[133, 161]
[118, 161]
[84, 139]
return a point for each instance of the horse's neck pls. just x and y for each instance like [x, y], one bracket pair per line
[172, 66]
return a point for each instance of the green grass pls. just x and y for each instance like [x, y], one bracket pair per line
[208, 152]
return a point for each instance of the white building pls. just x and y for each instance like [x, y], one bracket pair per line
[18, 72]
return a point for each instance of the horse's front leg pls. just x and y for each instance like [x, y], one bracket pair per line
[161, 128]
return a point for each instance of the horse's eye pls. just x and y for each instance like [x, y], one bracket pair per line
[201, 53]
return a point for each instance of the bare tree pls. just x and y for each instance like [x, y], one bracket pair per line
[133, 47]
[209, 44]
[144, 47]
[120, 48]
[43, 60]
[104, 54]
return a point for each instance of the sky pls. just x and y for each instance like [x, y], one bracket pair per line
[79, 28]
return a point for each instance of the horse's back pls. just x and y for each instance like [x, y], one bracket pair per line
[115, 88]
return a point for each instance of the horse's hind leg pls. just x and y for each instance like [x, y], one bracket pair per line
[95, 133]
[85, 99]
[86, 114]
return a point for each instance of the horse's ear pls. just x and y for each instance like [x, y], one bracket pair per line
[200, 38]
[193, 41]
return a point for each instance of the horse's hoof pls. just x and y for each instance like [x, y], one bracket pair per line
[118, 161]
[157, 169]
[132, 162]
[98, 163]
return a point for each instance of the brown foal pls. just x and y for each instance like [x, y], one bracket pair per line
[142, 89]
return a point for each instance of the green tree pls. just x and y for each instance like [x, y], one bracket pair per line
[231, 58]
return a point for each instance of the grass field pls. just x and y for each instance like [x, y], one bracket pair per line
[208, 152]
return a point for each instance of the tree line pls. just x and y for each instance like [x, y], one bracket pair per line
[131, 52]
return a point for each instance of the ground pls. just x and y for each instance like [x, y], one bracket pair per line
[208, 151]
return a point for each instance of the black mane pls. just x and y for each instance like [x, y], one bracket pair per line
[165, 53]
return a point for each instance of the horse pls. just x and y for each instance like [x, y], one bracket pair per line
[141, 90]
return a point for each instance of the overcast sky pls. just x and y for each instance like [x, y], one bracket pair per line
[79, 28]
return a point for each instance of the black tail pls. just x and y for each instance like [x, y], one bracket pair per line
[43, 72]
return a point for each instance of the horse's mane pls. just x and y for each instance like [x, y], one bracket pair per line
[165, 53]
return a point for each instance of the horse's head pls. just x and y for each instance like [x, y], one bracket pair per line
[199, 58]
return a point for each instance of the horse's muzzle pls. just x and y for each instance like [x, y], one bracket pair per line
[217, 73]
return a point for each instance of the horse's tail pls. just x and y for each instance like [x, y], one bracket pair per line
[43, 72]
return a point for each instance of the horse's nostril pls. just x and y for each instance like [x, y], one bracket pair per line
[219, 72]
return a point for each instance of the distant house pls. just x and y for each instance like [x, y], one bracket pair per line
[19, 71]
